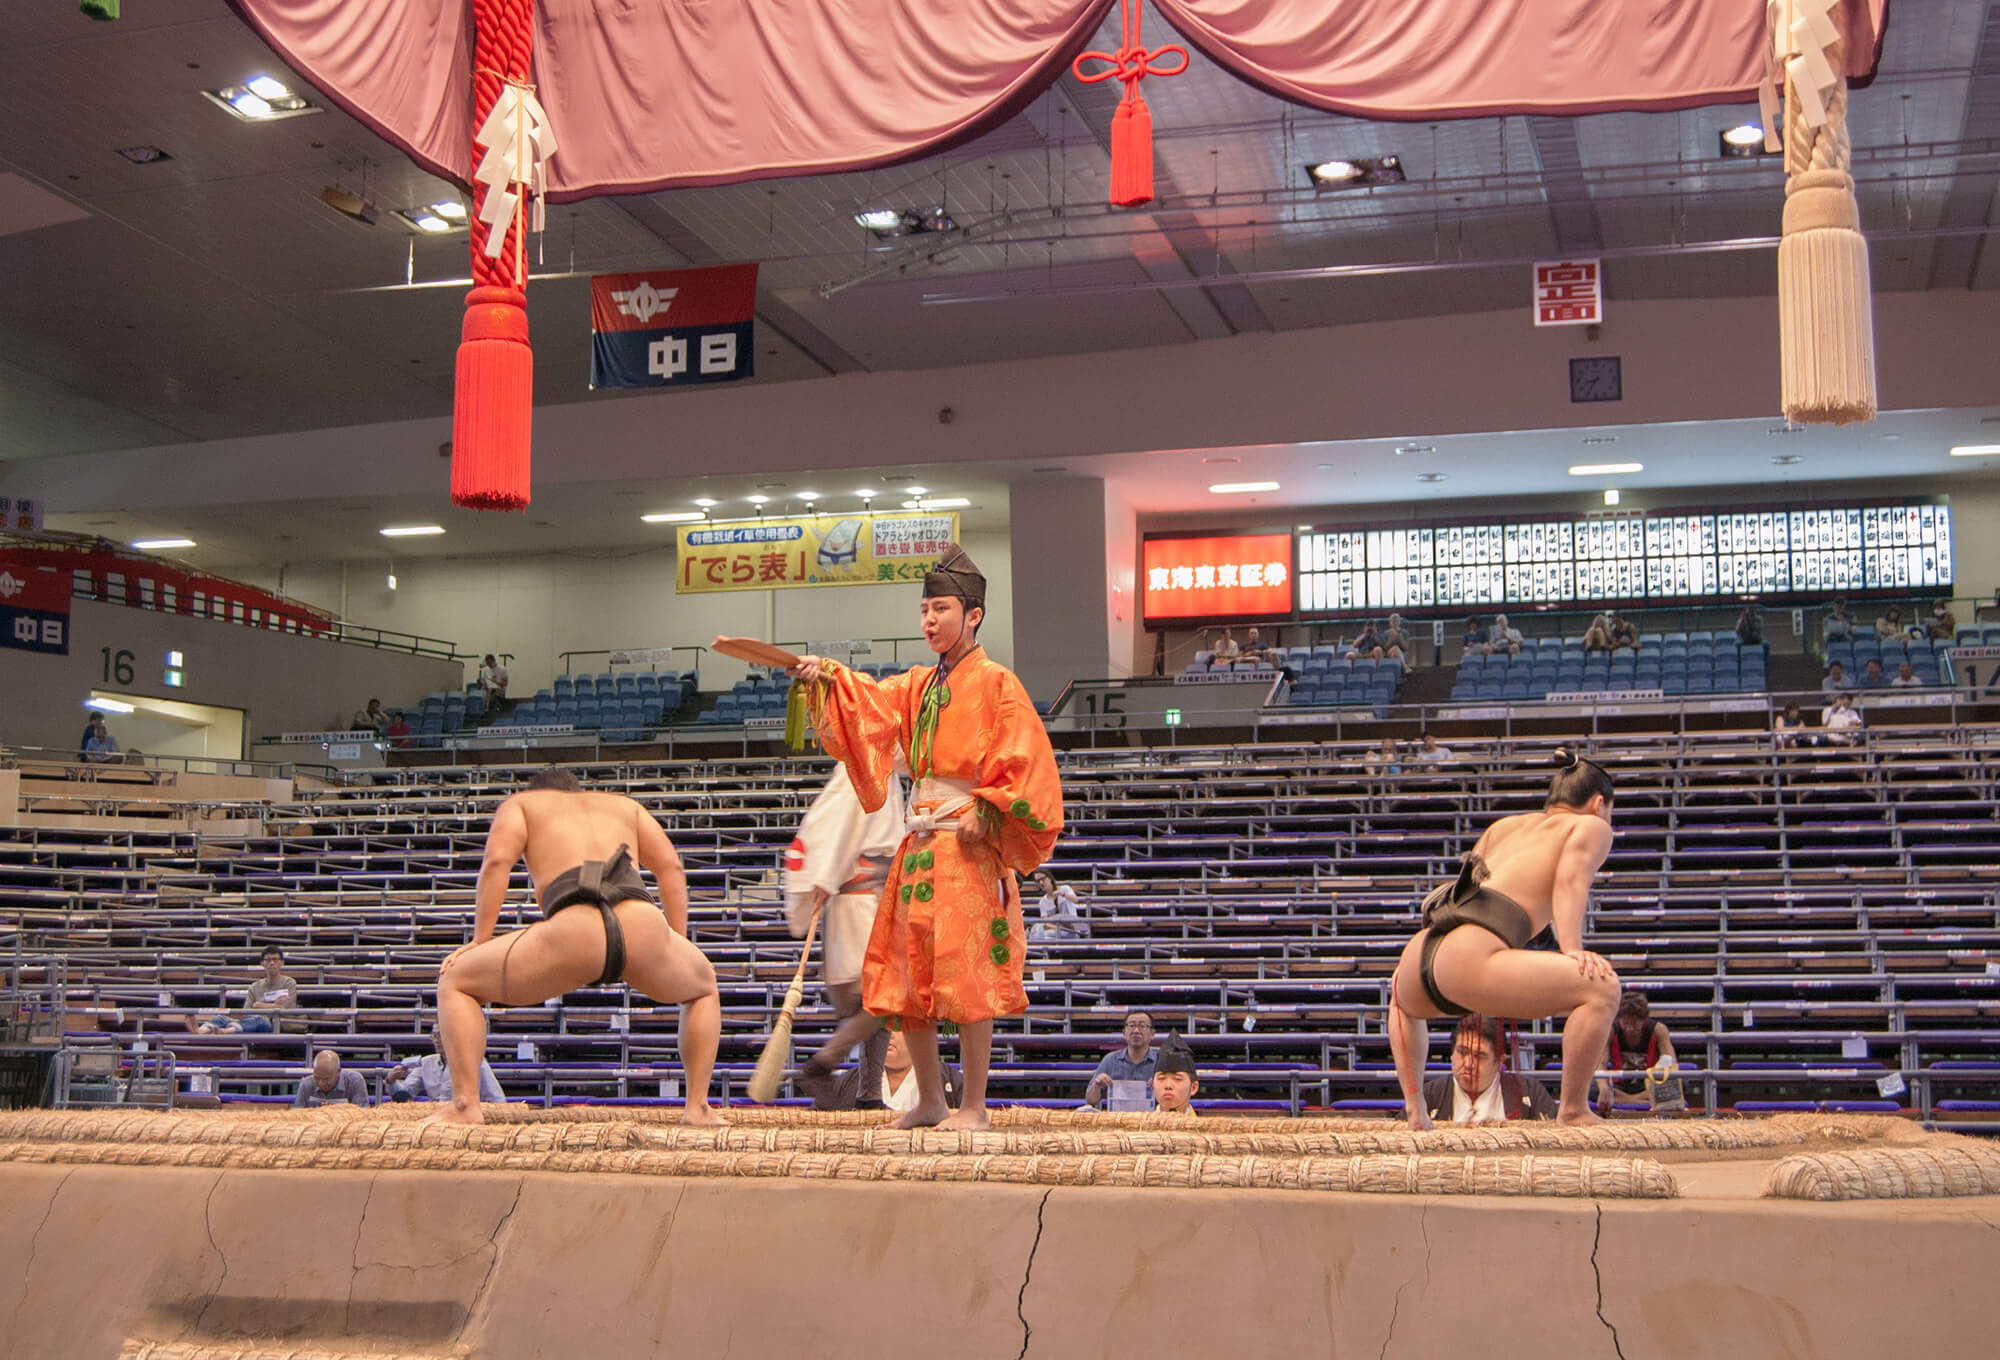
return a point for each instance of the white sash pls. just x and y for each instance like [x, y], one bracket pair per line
[946, 798]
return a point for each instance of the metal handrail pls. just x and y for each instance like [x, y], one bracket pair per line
[14, 757]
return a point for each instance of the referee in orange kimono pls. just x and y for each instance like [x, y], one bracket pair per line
[986, 807]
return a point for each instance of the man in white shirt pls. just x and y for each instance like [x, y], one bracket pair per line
[493, 678]
[1503, 639]
[1226, 647]
[1905, 677]
[1841, 722]
[428, 1078]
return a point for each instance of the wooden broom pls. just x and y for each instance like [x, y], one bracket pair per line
[771, 1062]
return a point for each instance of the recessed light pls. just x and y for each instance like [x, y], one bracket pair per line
[109, 705]
[703, 501]
[1975, 450]
[250, 105]
[1604, 469]
[1223, 458]
[154, 544]
[1430, 476]
[1239, 488]
[914, 490]
[449, 208]
[865, 494]
[759, 500]
[1787, 459]
[1611, 495]
[880, 219]
[264, 87]
[1745, 139]
[1305, 528]
[260, 100]
[429, 222]
[913, 505]
[1355, 172]
[673, 516]
[944, 503]
[1326, 467]
[412, 530]
[809, 496]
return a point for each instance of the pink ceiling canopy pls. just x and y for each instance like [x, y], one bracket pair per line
[649, 94]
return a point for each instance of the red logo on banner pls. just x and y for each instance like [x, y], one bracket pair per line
[1569, 293]
[678, 298]
[1220, 577]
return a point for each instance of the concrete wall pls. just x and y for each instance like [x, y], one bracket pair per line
[539, 606]
[514, 1266]
[283, 683]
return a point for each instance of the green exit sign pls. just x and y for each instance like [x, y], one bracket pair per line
[1173, 717]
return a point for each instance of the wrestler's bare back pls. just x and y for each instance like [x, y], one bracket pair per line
[562, 830]
[1523, 853]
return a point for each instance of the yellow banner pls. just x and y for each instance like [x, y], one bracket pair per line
[817, 550]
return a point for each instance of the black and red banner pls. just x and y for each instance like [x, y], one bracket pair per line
[34, 605]
[670, 327]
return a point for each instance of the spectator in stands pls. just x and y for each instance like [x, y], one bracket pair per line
[1174, 1078]
[1790, 726]
[1227, 648]
[1624, 632]
[1597, 637]
[1641, 1048]
[1253, 647]
[1841, 721]
[1889, 623]
[1501, 638]
[429, 1078]
[269, 994]
[1059, 917]
[1527, 873]
[1473, 641]
[99, 746]
[89, 726]
[396, 730]
[1835, 680]
[1383, 760]
[1482, 1087]
[493, 679]
[1367, 643]
[1839, 625]
[1750, 625]
[599, 926]
[1395, 642]
[1905, 677]
[1943, 626]
[370, 719]
[1871, 674]
[329, 1085]
[1123, 1080]
[1430, 755]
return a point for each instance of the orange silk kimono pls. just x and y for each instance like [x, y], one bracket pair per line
[948, 939]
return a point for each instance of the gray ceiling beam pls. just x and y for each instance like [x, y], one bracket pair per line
[1560, 162]
[1970, 201]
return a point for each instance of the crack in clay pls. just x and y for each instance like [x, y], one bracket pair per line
[354, 1259]
[1027, 1274]
[1396, 1305]
[1598, 1275]
[493, 1241]
[208, 1226]
[34, 1241]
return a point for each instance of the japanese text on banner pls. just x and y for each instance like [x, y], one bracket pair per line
[816, 550]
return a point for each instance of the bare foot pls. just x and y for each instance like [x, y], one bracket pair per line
[1578, 1117]
[1420, 1120]
[967, 1119]
[702, 1115]
[923, 1117]
[454, 1113]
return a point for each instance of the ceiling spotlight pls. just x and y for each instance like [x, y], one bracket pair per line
[392, 580]
[809, 496]
[1430, 476]
[673, 516]
[1787, 459]
[913, 505]
[1975, 450]
[703, 501]
[1355, 172]
[1604, 469]
[1611, 495]
[903, 222]
[758, 500]
[349, 204]
[450, 209]
[881, 221]
[1745, 140]
[260, 100]
[156, 544]
[1239, 488]
[425, 221]
[412, 530]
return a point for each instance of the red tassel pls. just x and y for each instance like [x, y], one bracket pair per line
[1131, 151]
[493, 409]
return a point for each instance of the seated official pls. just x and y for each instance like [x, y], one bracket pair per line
[899, 1083]
[1174, 1078]
[329, 1085]
[1123, 1080]
[1481, 1089]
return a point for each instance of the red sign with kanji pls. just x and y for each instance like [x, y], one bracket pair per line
[1569, 293]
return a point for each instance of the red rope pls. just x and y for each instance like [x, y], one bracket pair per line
[504, 40]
